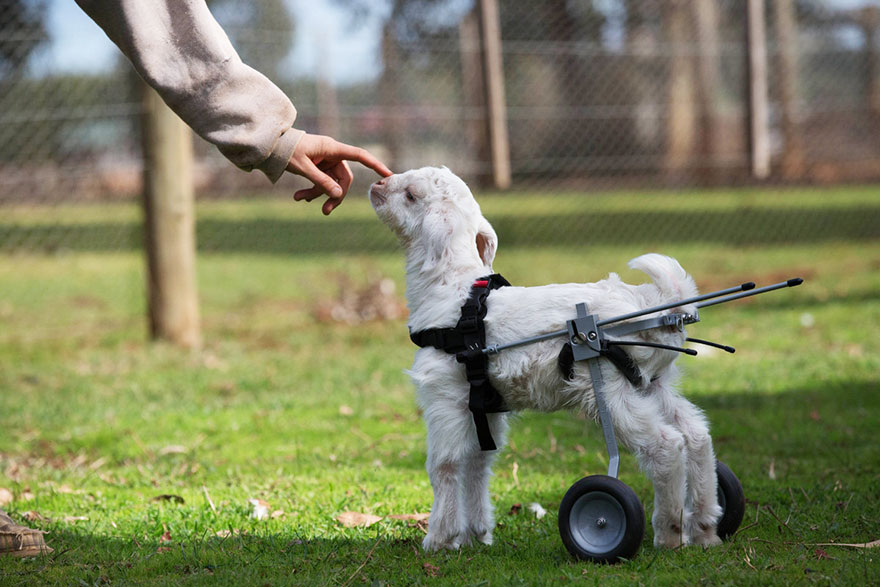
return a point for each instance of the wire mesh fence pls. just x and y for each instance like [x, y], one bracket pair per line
[597, 95]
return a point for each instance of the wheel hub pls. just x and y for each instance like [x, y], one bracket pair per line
[598, 522]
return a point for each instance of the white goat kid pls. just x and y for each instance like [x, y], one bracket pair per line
[448, 245]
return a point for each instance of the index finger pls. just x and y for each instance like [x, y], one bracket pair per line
[363, 157]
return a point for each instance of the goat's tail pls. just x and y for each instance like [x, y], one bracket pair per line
[673, 282]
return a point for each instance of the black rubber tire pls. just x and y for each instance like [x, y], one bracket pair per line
[595, 498]
[732, 500]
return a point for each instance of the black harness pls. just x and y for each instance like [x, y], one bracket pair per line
[467, 340]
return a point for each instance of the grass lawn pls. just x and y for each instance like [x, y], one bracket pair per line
[140, 460]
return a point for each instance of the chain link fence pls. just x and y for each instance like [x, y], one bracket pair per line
[598, 95]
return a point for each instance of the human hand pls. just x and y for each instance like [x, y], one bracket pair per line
[324, 161]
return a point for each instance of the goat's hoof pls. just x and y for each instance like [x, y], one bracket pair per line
[484, 538]
[670, 541]
[706, 539]
[435, 544]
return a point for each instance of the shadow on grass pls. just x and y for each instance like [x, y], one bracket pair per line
[82, 558]
[320, 235]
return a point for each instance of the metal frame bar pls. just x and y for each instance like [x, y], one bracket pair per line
[587, 336]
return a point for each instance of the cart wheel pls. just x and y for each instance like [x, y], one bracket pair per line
[601, 520]
[731, 499]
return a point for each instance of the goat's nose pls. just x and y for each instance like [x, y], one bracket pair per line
[381, 181]
[377, 192]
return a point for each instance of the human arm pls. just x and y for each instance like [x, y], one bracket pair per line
[182, 52]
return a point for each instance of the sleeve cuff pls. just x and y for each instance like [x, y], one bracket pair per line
[276, 163]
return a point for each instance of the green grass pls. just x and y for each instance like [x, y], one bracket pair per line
[318, 418]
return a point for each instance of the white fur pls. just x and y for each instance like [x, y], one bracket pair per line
[448, 244]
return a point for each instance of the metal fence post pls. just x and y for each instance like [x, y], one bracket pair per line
[169, 213]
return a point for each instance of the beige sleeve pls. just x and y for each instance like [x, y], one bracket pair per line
[181, 51]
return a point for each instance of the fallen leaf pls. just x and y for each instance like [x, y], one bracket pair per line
[357, 519]
[33, 516]
[163, 549]
[26, 495]
[345, 411]
[172, 449]
[821, 554]
[415, 517]
[514, 509]
[276, 514]
[6, 496]
[772, 472]
[814, 415]
[431, 570]
[227, 533]
[166, 536]
[68, 519]
[259, 509]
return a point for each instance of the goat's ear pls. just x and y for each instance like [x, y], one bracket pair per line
[487, 242]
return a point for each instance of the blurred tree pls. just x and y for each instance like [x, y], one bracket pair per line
[22, 30]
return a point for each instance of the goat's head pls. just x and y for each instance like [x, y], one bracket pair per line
[435, 216]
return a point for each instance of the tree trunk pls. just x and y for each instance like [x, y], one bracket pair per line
[169, 213]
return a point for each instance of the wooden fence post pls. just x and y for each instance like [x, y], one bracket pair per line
[708, 62]
[169, 213]
[758, 100]
[496, 102]
[681, 122]
[870, 23]
[792, 165]
[474, 122]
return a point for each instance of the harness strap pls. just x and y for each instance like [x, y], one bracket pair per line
[618, 357]
[466, 341]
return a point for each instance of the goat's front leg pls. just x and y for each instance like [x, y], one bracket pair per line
[479, 518]
[447, 437]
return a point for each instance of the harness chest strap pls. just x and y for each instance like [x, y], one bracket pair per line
[466, 341]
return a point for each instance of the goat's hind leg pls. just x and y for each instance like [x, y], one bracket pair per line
[660, 449]
[702, 480]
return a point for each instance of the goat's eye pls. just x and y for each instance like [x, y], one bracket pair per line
[410, 197]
